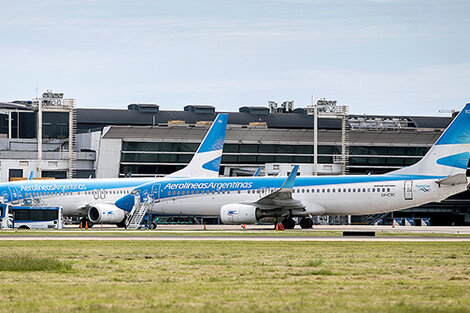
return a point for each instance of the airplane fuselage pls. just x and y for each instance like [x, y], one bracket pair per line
[342, 195]
[74, 195]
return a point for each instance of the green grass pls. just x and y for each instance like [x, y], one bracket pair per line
[210, 276]
[26, 263]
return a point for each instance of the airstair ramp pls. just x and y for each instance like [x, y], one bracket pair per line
[138, 211]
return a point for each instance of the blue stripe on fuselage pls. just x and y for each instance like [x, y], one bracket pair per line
[23, 188]
[250, 183]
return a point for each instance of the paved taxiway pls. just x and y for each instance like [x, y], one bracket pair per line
[251, 233]
[463, 230]
[240, 238]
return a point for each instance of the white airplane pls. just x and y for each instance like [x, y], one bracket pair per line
[94, 199]
[440, 174]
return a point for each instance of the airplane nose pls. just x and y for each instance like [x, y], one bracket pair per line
[126, 203]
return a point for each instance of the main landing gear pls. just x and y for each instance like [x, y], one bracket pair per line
[288, 223]
[306, 223]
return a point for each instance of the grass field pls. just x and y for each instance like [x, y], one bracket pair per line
[251, 233]
[209, 276]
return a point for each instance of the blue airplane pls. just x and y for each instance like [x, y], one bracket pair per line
[93, 199]
[440, 174]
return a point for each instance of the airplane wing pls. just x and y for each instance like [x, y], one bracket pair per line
[283, 196]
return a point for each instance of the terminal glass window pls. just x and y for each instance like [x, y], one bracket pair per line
[248, 148]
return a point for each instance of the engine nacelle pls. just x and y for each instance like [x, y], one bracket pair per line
[238, 213]
[105, 213]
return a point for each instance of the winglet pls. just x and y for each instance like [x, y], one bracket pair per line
[289, 183]
[31, 175]
[257, 172]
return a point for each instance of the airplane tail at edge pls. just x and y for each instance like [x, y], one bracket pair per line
[206, 160]
[450, 154]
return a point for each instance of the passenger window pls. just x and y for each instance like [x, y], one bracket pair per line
[323, 190]
[333, 190]
[388, 189]
[349, 189]
[303, 190]
[339, 190]
[368, 189]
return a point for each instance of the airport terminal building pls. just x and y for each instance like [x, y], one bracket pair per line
[145, 140]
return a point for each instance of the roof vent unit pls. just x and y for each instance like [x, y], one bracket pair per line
[144, 107]
[285, 107]
[254, 110]
[200, 108]
[300, 111]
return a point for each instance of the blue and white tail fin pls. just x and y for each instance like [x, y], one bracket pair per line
[206, 160]
[450, 154]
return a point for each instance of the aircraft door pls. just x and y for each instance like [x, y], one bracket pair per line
[408, 188]
[14, 194]
[155, 192]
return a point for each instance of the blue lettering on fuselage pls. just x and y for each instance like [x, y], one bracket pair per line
[26, 190]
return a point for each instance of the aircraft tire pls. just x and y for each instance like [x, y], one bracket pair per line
[306, 223]
[153, 225]
[288, 223]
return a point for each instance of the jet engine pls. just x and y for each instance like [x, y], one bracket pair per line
[106, 213]
[237, 213]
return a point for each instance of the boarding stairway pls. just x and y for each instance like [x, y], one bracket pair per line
[138, 211]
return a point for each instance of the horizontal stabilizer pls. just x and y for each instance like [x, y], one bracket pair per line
[453, 180]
